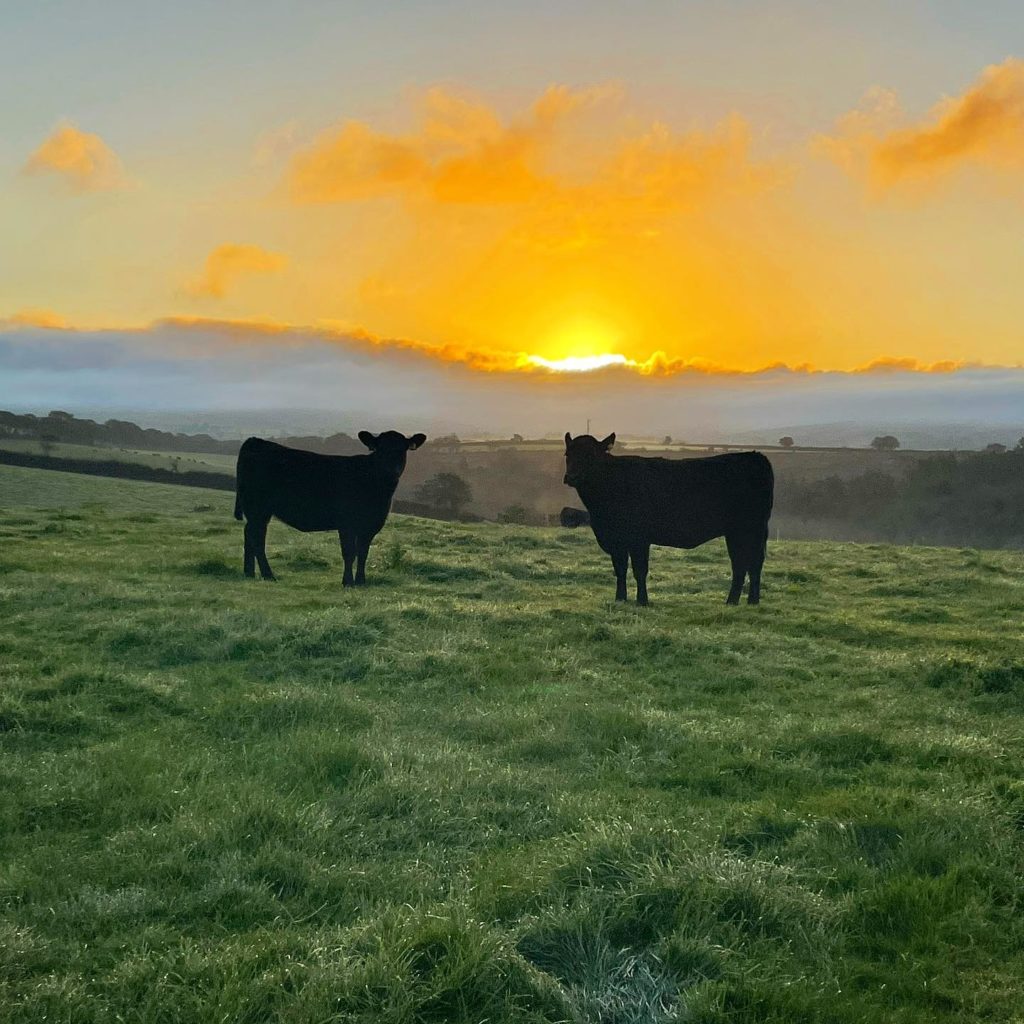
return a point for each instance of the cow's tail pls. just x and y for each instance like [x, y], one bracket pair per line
[771, 502]
[238, 504]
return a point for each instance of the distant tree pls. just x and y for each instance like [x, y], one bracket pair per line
[995, 448]
[446, 491]
[59, 414]
[1019, 446]
[667, 440]
[786, 442]
[519, 515]
[885, 443]
[517, 438]
[47, 443]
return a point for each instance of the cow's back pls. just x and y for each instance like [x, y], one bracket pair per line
[307, 490]
[681, 502]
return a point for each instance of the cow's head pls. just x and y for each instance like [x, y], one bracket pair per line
[580, 455]
[389, 449]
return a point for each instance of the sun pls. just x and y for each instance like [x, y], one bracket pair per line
[580, 364]
[578, 346]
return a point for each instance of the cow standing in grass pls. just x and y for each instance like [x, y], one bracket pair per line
[312, 492]
[635, 502]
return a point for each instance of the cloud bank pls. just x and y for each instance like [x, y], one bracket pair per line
[362, 382]
[181, 333]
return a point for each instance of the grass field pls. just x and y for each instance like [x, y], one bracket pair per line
[478, 791]
[182, 461]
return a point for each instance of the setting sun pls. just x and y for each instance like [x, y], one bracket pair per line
[580, 344]
[579, 364]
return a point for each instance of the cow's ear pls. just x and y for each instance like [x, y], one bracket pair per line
[608, 441]
[568, 437]
[368, 439]
[416, 440]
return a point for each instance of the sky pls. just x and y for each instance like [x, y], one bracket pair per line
[692, 194]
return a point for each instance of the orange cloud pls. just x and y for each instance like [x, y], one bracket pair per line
[249, 330]
[227, 263]
[460, 153]
[83, 160]
[666, 169]
[857, 132]
[897, 364]
[983, 126]
[44, 318]
[463, 152]
[354, 163]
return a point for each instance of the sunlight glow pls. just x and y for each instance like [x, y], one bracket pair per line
[580, 364]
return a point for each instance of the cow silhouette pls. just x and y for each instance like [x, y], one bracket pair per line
[312, 492]
[635, 502]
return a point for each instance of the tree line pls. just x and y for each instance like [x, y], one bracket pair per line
[65, 427]
[975, 499]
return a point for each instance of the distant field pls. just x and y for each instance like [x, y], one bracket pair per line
[161, 460]
[47, 489]
[476, 790]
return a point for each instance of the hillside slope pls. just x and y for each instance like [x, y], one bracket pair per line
[478, 790]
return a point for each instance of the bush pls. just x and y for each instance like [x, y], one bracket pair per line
[520, 515]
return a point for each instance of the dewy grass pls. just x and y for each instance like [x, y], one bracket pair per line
[477, 790]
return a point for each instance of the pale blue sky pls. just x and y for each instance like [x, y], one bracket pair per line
[155, 75]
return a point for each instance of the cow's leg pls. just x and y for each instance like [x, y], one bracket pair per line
[348, 554]
[259, 546]
[756, 563]
[640, 554]
[738, 557]
[620, 563]
[249, 556]
[362, 550]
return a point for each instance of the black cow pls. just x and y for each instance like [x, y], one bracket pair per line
[573, 517]
[348, 493]
[636, 502]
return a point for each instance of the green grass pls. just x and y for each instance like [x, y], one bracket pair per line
[181, 461]
[477, 790]
[35, 489]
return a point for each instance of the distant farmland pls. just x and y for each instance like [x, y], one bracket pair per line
[965, 498]
[158, 460]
